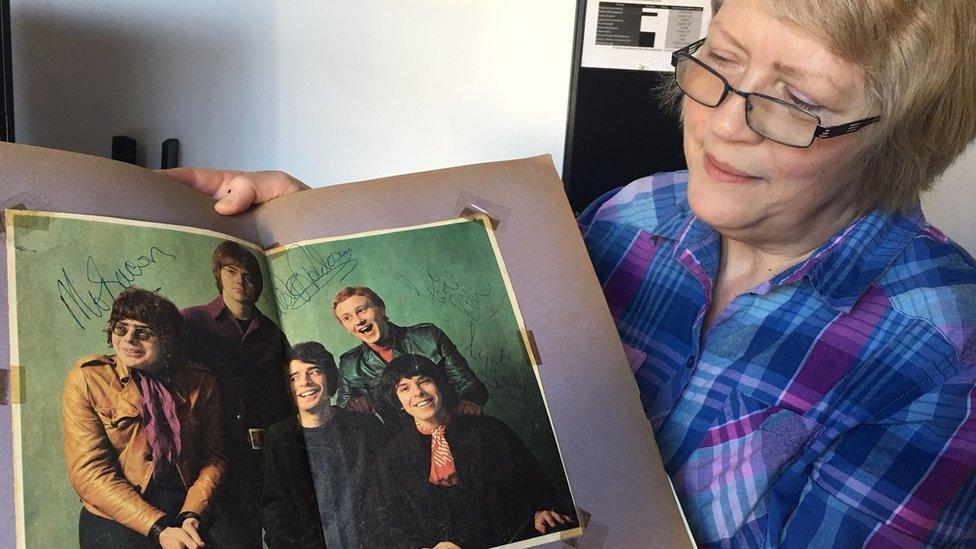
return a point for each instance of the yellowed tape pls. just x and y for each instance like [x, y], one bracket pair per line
[573, 540]
[472, 206]
[12, 385]
[529, 338]
[470, 212]
[28, 200]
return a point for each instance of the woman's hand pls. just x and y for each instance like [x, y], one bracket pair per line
[177, 538]
[235, 191]
[544, 520]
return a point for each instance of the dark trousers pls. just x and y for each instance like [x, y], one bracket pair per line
[95, 532]
[242, 519]
[165, 493]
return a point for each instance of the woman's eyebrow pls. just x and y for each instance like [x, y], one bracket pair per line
[802, 74]
[731, 38]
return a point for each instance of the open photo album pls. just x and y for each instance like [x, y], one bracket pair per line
[397, 363]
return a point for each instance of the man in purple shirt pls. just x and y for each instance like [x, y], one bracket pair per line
[245, 349]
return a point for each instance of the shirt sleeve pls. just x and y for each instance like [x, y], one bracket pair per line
[279, 516]
[465, 382]
[908, 480]
[201, 492]
[350, 381]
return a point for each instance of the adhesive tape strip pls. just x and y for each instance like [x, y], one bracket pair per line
[12, 384]
[27, 200]
[469, 205]
[529, 338]
[594, 532]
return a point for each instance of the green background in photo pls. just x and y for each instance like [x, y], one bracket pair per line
[446, 275]
[53, 255]
[68, 271]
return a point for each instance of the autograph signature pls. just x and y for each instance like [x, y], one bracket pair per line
[495, 370]
[443, 288]
[95, 301]
[308, 272]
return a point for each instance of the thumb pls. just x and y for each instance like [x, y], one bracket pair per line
[235, 196]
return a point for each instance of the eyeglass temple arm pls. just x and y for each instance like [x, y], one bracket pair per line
[850, 127]
[689, 49]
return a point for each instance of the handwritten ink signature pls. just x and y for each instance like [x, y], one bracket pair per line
[402, 279]
[308, 272]
[444, 290]
[495, 370]
[95, 301]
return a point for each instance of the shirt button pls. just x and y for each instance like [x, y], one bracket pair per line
[148, 456]
[239, 417]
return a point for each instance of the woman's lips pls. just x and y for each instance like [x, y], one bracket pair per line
[726, 173]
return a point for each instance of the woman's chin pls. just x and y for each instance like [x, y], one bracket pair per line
[722, 213]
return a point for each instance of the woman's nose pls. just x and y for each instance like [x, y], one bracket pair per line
[728, 120]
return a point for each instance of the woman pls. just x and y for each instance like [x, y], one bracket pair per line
[451, 480]
[803, 341]
[140, 432]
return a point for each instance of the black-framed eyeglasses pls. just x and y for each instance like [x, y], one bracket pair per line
[141, 333]
[770, 117]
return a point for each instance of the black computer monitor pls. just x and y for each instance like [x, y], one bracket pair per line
[6, 78]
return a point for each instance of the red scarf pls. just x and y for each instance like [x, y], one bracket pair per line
[442, 471]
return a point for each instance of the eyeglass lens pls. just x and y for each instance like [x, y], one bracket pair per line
[777, 121]
[142, 334]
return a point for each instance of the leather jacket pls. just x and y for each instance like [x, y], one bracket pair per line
[105, 446]
[360, 369]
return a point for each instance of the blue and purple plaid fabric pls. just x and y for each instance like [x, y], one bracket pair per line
[833, 406]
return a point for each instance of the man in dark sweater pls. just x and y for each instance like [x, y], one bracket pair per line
[245, 350]
[316, 463]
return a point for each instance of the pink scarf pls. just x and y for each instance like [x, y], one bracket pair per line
[161, 423]
[442, 471]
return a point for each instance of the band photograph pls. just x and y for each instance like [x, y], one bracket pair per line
[180, 388]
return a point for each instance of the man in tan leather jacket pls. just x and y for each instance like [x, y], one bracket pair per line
[107, 427]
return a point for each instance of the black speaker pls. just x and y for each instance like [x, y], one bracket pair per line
[6, 76]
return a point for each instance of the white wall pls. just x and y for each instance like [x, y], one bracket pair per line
[952, 205]
[329, 90]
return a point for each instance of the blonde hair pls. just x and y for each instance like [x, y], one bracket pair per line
[919, 61]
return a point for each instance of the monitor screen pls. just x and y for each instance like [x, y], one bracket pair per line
[6, 78]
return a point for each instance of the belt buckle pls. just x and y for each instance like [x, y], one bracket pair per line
[256, 437]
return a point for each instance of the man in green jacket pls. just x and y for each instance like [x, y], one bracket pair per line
[363, 314]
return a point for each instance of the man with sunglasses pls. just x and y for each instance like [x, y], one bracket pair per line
[137, 429]
[245, 349]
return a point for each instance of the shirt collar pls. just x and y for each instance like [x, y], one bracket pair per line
[849, 262]
[840, 269]
[216, 308]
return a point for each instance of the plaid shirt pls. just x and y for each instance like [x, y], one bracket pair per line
[832, 406]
